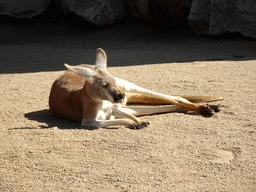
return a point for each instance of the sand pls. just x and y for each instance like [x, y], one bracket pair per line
[176, 152]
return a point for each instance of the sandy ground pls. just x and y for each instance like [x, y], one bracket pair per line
[177, 152]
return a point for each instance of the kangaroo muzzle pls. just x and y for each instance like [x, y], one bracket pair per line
[119, 97]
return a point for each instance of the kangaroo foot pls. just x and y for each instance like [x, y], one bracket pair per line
[206, 111]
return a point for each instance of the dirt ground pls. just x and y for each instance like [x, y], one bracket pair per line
[176, 152]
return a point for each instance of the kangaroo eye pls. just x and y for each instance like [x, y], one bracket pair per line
[102, 83]
[105, 85]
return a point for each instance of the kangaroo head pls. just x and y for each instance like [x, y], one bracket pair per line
[102, 84]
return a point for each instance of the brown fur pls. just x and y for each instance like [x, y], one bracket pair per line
[65, 99]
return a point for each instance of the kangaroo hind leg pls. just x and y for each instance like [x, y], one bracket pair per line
[136, 94]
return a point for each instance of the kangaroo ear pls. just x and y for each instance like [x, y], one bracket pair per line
[83, 71]
[101, 60]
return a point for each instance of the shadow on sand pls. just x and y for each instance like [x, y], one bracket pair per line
[45, 46]
[44, 116]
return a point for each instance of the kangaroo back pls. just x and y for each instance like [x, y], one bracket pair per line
[65, 96]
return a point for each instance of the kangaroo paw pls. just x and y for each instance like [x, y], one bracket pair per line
[139, 125]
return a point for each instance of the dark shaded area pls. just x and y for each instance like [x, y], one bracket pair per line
[44, 116]
[160, 11]
[45, 43]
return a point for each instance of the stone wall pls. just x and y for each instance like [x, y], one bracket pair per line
[211, 17]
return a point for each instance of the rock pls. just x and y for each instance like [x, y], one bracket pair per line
[98, 12]
[23, 8]
[159, 11]
[216, 17]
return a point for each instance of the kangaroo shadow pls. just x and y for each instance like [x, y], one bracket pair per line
[45, 116]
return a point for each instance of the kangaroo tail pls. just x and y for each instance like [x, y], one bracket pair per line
[138, 98]
[201, 98]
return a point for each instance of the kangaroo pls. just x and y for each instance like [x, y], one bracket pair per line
[90, 95]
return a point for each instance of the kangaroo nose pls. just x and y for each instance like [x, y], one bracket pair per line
[119, 97]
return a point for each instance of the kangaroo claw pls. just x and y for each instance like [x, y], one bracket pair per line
[139, 125]
[216, 108]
